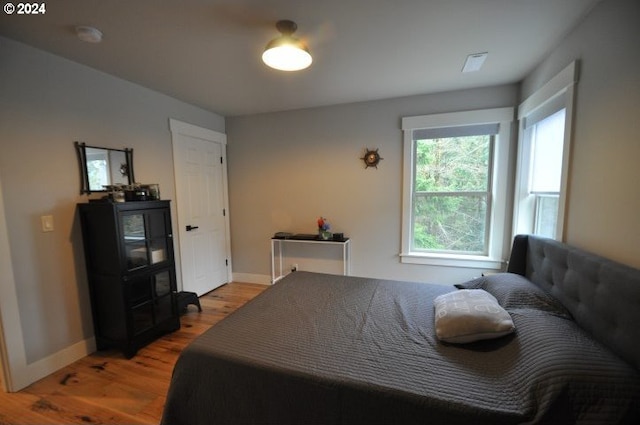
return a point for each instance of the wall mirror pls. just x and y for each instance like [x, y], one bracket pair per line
[100, 167]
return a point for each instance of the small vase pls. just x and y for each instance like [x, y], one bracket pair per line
[325, 235]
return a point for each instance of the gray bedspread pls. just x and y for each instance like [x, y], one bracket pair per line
[317, 348]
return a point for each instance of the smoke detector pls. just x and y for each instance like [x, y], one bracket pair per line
[89, 34]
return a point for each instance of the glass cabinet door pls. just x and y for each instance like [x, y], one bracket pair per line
[141, 299]
[151, 300]
[145, 238]
[157, 221]
[163, 305]
[135, 240]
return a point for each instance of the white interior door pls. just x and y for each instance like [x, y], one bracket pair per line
[201, 201]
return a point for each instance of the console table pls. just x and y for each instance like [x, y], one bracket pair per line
[277, 247]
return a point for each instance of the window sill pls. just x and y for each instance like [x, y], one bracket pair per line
[449, 260]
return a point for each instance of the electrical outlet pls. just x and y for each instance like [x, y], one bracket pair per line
[294, 267]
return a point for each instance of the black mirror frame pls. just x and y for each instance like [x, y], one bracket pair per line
[84, 174]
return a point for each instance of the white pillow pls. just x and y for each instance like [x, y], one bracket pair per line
[470, 315]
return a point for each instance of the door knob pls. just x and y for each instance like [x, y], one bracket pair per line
[190, 227]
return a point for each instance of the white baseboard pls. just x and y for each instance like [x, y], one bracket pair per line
[32, 372]
[261, 279]
[26, 374]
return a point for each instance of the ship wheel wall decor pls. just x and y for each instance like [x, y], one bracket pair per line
[371, 158]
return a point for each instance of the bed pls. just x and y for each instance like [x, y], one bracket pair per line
[328, 349]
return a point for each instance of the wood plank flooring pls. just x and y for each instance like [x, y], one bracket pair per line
[106, 388]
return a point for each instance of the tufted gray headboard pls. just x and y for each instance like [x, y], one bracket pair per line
[603, 296]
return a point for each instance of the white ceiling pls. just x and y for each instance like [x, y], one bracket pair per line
[207, 52]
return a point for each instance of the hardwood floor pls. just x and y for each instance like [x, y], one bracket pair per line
[106, 388]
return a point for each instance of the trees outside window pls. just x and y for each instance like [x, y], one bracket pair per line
[454, 204]
[451, 194]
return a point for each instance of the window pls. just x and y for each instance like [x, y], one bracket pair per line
[546, 143]
[543, 157]
[455, 188]
[451, 192]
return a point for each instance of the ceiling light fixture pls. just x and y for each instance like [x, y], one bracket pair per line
[286, 52]
[89, 34]
[474, 62]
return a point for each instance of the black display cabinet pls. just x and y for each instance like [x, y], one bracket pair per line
[131, 272]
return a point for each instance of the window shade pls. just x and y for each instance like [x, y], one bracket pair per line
[545, 110]
[547, 154]
[458, 131]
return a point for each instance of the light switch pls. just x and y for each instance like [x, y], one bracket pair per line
[47, 223]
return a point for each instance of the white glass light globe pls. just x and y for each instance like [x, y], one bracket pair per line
[287, 57]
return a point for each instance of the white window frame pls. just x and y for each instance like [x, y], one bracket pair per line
[557, 93]
[499, 190]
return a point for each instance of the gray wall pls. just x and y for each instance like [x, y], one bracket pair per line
[286, 169]
[47, 103]
[604, 195]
